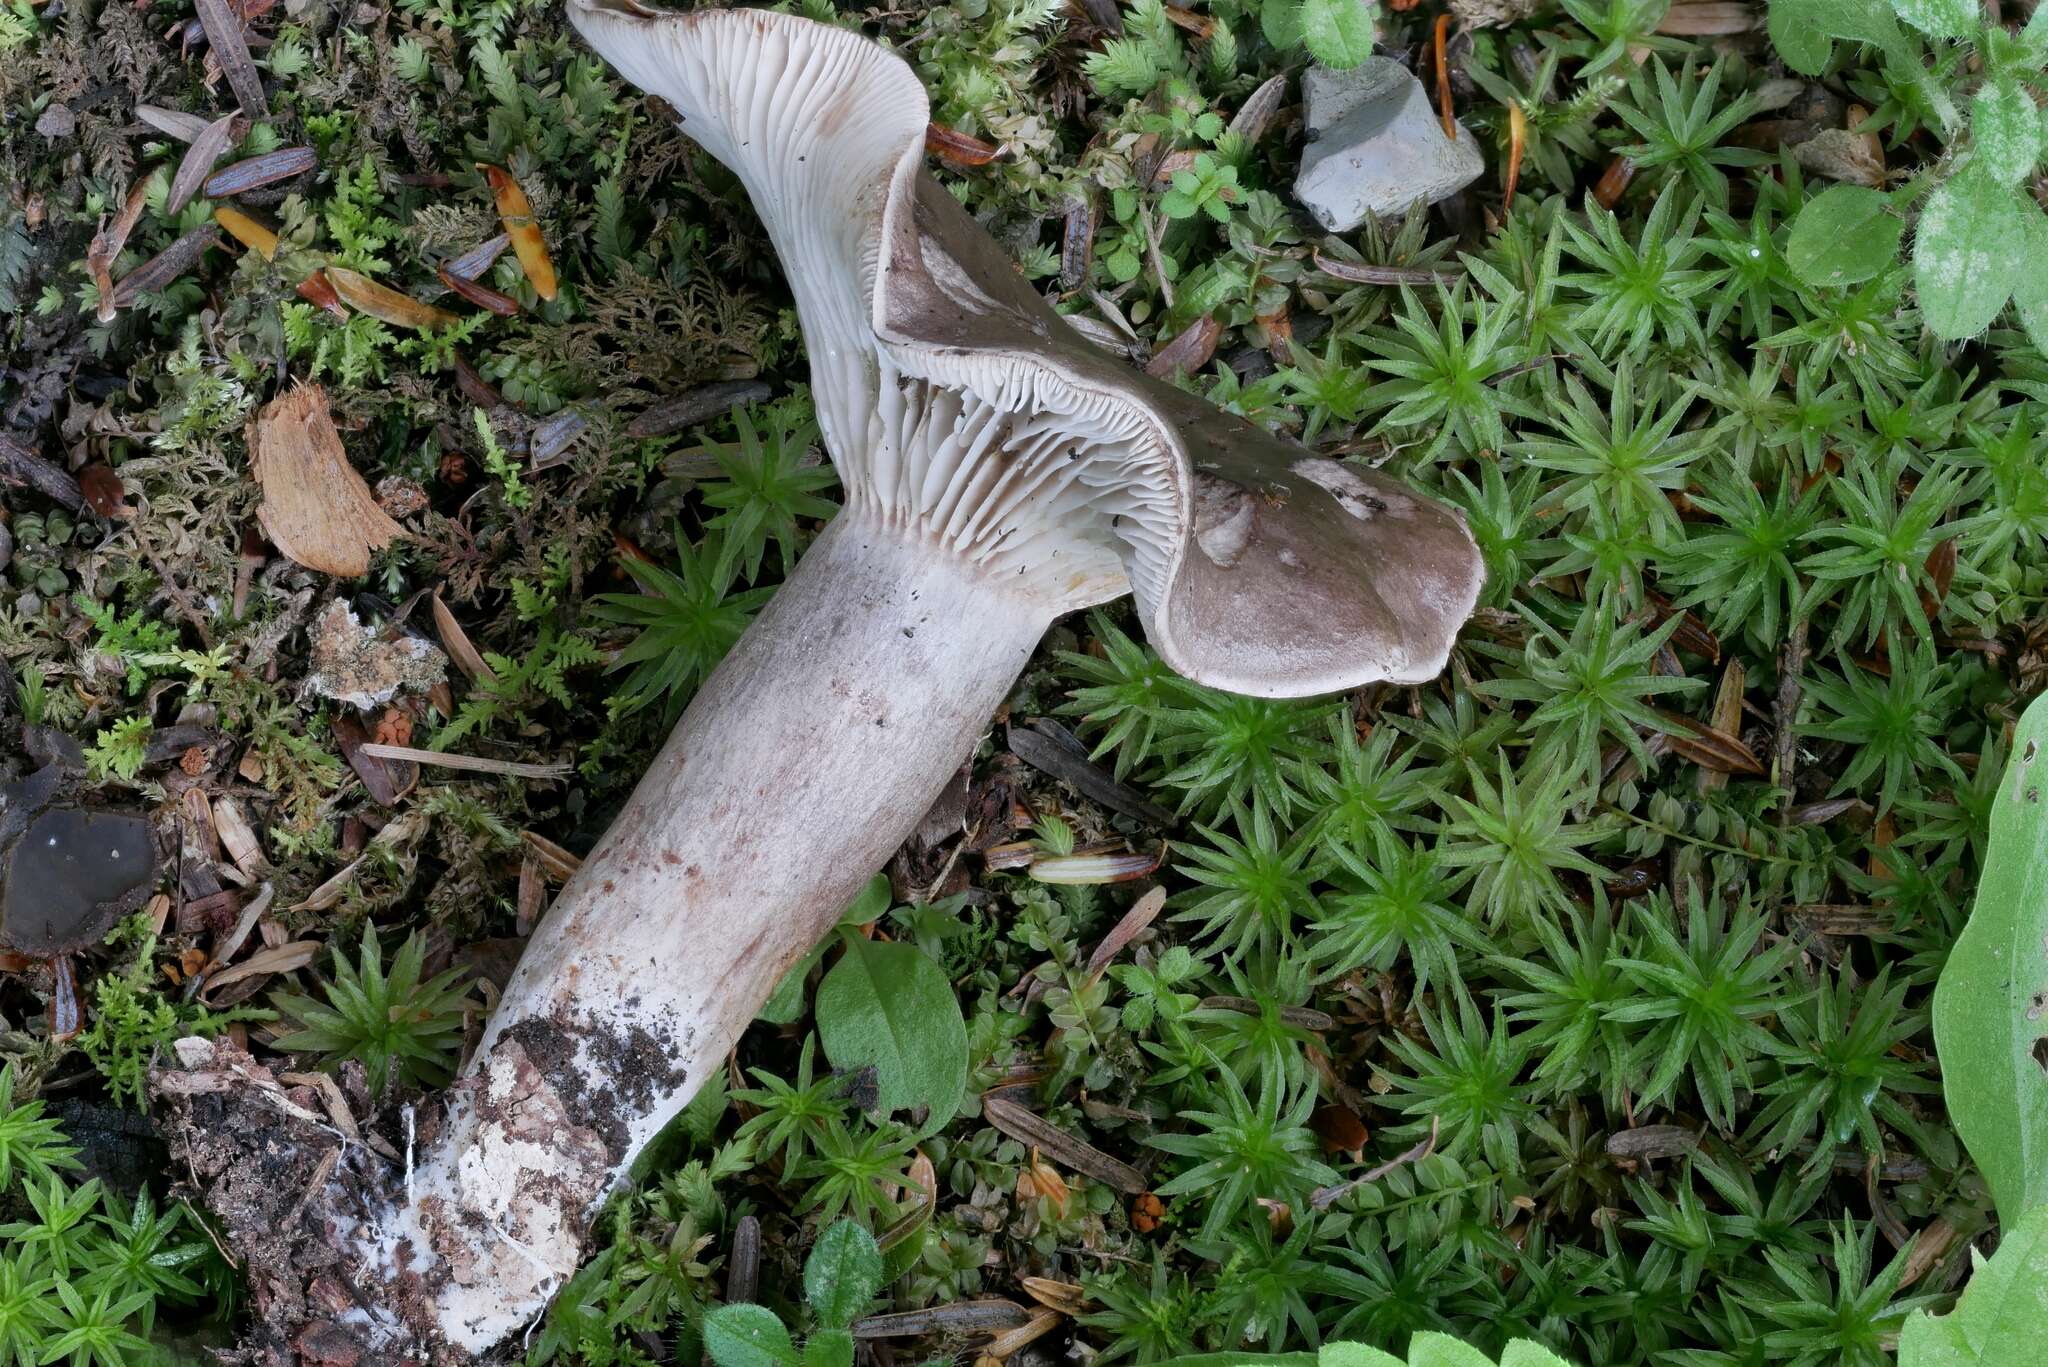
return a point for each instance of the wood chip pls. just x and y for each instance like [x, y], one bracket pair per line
[558, 863]
[1725, 718]
[199, 158]
[1065, 1297]
[1051, 749]
[23, 468]
[456, 642]
[166, 266]
[1031, 1128]
[238, 838]
[991, 1316]
[285, 958]
[331, 1097]
[108, 242]
[474, 764]
[223, 25]
[1651, 1141]
[516, 213]
[172, 123]
[1709, 748]
[1359, 273]
[316, 508]
[1033, 1329]
[1708, 19]
[253, 173]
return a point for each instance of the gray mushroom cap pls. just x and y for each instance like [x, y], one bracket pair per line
[957, 404]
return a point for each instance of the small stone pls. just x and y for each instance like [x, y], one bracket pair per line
[57, 122]
[1376, 146]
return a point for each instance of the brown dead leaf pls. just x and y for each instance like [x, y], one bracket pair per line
[957, 148]
[316, 508]
[199, 158]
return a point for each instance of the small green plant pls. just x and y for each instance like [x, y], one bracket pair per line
[842, 1276]
[687, 619]
[404, 1029]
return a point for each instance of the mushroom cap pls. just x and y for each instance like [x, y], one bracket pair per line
[956, 401]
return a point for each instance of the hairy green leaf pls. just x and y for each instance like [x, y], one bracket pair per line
[747, 1336]
[2003, 1312]
[1969, 253]
[2007, 131]
[1989, 1026]
[1339, 33]
[1844, 236]
[843, 1273]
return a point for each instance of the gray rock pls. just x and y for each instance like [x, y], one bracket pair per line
[1376, 146]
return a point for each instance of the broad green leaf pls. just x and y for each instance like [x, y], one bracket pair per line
[1428, 1349]
[843, 1273]
[1989, 1028]
[786, 1002]
[747, 1336]
[1939, 18]
[829, 1348]
[1281, 22]
[1354, 1355]
[2006, 130]
[1529, 1353]
[1339, 33]
[1844, 236]
[2035, 35]
[2002, 1316]
[1802, 30]
[889, 1006]
[1803, 44]
[1968, 253]
[2030, 296]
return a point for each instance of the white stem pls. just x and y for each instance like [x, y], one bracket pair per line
[805, 760]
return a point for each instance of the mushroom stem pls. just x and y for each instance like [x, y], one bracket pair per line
[808, 756]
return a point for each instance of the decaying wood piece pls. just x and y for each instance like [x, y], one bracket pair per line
[316, 508]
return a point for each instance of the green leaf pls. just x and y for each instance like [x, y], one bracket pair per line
[829, 1348]
[786, 1002]
[889, 1005]
[1939, 18]
[1529, 1353]
[2003, 1313]
[1968, 253]
[1354, 1355]
[1803, 31]
[1988, 1030]
[1428, 1349]
[1339, 33]
[1281, 22]
[1844, 236]
[2030, 296]
[2006, 129]
[747, 1336]
[843, 1273]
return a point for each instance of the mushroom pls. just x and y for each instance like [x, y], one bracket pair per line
[999, 472]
